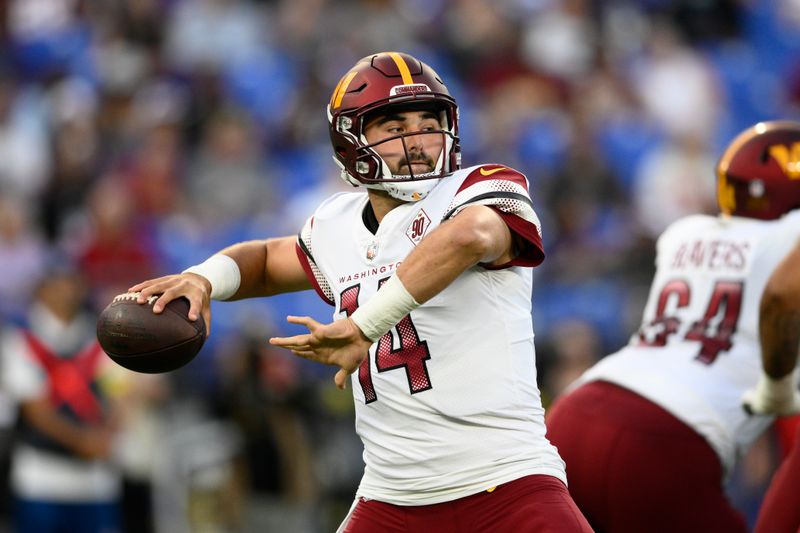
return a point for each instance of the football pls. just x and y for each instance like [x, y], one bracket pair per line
[140, 340]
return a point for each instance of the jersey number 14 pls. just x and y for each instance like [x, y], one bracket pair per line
[410, 356]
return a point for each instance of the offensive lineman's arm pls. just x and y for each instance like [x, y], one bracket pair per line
[779, 331]
[476, 235]
[265, 268]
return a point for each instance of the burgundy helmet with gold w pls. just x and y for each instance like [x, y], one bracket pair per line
[376, 84]
[758, 175]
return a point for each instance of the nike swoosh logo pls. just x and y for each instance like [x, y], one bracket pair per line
[485, 172]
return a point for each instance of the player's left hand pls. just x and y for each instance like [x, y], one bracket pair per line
[340, 343]
[771, 397]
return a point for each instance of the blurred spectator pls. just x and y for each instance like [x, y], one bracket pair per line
[207, 34]
[143, 428]
[24, 149]
[480, 36]
[677, 85]
[198, 480]
[561, 39]
[47, 36]
[672, 182]
[62, 471]
[705, 21]
[226, 179]
[113, 250]
[152, 173]
[142, 22]
[262, 391]
[23, 255]
[575, 346]
[524, 111]
[75, 151]
[591, 223]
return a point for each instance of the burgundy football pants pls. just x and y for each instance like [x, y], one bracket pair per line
[632, 467]
[780, 512]
[532, 504]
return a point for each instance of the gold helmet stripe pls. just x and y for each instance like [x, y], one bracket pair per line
[402, 67]
[336, 90]
[338, 93]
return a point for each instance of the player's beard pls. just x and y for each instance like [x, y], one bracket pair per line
[405, 164]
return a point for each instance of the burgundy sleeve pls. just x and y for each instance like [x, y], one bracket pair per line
[305, 263]
[315, 275]
[506, 191]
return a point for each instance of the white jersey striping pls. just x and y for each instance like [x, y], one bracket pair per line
[447, 403]
[698, 348]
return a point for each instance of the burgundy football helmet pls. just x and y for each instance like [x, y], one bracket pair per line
[758, 175]
[374, 85]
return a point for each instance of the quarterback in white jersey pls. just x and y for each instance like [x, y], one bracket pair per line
[424, 380]
[696, 353]
[428, 272]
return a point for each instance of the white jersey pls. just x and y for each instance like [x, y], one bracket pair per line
[698, 349]
[446, 403]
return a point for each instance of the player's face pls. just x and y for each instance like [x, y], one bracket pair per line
[422, 149]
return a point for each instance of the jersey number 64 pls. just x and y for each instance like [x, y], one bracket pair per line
[713, 331]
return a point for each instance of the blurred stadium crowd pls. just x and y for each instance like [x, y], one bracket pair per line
[137, 137]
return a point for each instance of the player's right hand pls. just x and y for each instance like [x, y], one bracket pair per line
[193, 287]
[772, 397]
[339, 343]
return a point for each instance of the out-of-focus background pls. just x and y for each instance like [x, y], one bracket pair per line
[137, 137]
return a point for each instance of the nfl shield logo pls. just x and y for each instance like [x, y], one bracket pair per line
[372, 251]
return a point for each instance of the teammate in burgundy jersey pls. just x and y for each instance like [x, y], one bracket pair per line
[428, 269]
[650, 432]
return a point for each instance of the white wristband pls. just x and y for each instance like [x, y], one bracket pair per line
[222, 272]
[773, 396]
[779, 390]
[384, 310]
